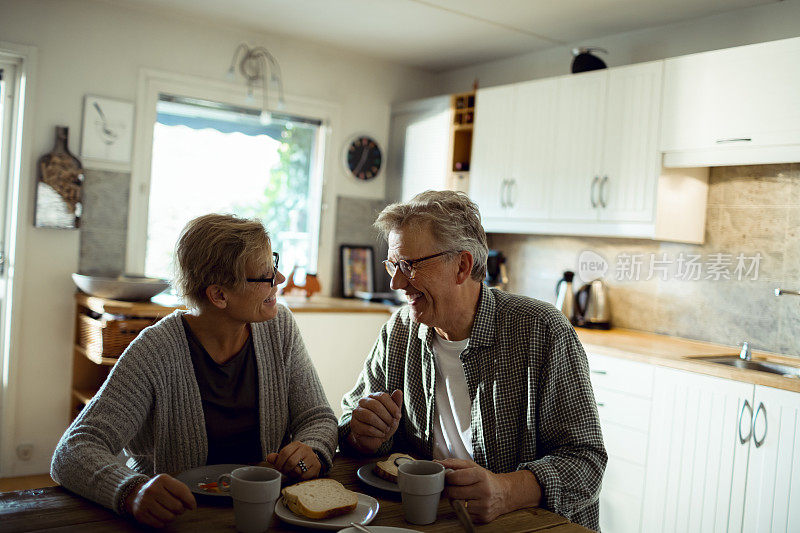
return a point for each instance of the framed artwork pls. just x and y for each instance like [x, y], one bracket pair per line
[357, 272]
[107, 130]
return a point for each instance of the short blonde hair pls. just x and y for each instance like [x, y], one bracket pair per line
[215, 250]
[452, 218]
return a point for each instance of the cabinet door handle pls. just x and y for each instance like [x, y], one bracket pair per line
[602, 372]
[755, 417]
[503, 194]
[592, 189]
[741, 417]
[602, 195]
[512, 189]
[600, 404]
[734, 140]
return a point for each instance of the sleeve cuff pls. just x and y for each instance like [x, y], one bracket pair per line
[125, 490]
[550, 482]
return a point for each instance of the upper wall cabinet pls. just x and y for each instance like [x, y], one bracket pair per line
[734, 106]
[578, 155]
[512, 150]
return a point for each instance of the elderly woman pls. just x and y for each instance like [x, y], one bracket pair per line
[230, 381]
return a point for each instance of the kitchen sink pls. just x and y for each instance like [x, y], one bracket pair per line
[761, 366]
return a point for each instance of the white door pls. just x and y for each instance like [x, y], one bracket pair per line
[631, 161]
[578, 148]
[490, 182]
[697, 454]
[772, 502]
[533, 131]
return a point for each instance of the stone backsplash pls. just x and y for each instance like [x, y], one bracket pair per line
[751, 210]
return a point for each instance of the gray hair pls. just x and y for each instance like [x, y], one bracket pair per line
[452, 218]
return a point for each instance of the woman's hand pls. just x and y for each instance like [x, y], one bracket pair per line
[159, 501]
[287, 459]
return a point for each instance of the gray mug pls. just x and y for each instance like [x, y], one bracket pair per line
[254, 490]
[421, 485]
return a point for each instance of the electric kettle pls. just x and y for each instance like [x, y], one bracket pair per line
[565, 297]
[593, 310]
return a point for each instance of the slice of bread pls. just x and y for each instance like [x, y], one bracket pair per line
[388, 469]
[319, 498]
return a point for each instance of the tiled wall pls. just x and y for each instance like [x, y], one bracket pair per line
[751, 209]
[104, 224]
[354, 218]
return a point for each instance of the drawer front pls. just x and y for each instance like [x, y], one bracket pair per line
[625, 443]
[623, 409]
[621, 375]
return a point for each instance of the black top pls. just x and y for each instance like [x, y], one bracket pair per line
[230, 402]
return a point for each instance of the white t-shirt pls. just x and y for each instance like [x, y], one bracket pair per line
[452, 436]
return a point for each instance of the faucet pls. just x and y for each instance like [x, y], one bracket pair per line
[779, 292]
[745, 354]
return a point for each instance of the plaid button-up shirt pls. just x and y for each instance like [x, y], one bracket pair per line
[532, 403]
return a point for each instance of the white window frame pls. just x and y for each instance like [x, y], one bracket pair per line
[18, 212]
[151, 84]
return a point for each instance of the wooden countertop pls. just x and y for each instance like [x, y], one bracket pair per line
[675, 352]
[163, 305]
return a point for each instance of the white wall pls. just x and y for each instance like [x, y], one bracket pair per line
[93, 47]
[763, 23]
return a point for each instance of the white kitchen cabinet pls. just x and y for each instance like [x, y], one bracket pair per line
[512, 161]
[631, 162]
[698, 453]
[338, 344]
[578, 146]
[607, 151]
[733, 106]
[772, 501]
[622, 390]
[578, 155]
[491, 150]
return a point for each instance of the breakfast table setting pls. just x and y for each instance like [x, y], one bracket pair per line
[379, 508]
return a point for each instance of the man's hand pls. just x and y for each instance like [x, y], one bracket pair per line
[159, 501]
[488, 495]
[287, 459]
[375, 419]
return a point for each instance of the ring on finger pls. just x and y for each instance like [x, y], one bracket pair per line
[302, 466]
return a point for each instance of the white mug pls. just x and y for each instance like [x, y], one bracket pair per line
[254, 490]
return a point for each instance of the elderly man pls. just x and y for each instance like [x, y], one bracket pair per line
[494, 385]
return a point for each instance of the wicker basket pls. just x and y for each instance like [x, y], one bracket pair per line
[106, 337]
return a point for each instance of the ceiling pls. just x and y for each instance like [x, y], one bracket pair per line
[439, 35]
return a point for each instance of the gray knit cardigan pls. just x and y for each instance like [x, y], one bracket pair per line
[150, 406]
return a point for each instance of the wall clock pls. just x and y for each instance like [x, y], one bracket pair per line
[363, 158]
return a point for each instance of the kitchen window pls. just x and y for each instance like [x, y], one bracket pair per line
[214, 157]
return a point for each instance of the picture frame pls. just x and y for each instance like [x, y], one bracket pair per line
[357, 269]
[107, 135]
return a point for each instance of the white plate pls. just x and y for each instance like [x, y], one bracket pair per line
[363, 514]
[380, 529]
[206, 474]
[367, 474]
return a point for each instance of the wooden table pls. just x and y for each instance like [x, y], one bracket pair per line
[56, 509]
